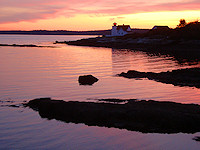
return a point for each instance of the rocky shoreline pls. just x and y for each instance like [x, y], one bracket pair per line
[181, 77]
[165, 39]
[144, 44]
[143, 116]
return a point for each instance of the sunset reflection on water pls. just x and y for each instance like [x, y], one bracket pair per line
[29, 73]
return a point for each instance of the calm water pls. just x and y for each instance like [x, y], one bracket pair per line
[28, 73]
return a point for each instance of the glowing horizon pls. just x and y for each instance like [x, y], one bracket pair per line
[83, 15]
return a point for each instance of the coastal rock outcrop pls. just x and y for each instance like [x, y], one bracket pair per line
[181, 77]
[87, 80]
[144, 116]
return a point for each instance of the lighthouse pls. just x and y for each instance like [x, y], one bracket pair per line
[114, 29]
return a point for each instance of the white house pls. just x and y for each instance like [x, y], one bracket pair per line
[120, 30]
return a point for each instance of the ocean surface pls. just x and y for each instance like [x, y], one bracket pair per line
[27, 73]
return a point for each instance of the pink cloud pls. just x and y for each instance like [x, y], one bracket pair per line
[27, 10]
[133, 8]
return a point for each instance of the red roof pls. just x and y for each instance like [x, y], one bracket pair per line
[124, 27]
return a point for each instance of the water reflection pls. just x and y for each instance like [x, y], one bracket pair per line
[28, 73]
[152, 62]
[183, 57]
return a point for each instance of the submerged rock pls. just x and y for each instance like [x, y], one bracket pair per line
[181, 77]
[144, 116]
[87, 80]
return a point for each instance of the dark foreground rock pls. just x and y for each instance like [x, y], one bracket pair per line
[87, 80]
[144, 116]
[182, 77]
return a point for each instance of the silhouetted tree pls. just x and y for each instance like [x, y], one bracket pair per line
[182, 23]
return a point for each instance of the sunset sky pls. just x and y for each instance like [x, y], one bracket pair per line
[94, 14]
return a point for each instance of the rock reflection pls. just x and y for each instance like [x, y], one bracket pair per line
[155, 61]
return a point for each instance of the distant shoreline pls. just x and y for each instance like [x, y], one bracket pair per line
[64, 32]
[57, 32]
[25, 45]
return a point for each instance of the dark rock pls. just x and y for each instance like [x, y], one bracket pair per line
[144, 116]
[115, 100]
[14, 105]
[197, 138]
[181, 77]
[87, 80]
[60, 42]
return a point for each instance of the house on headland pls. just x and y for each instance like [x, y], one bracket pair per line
[160, 28]
[120, 30]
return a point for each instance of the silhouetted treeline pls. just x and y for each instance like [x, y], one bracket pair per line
[58, 32]
[190, 31]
